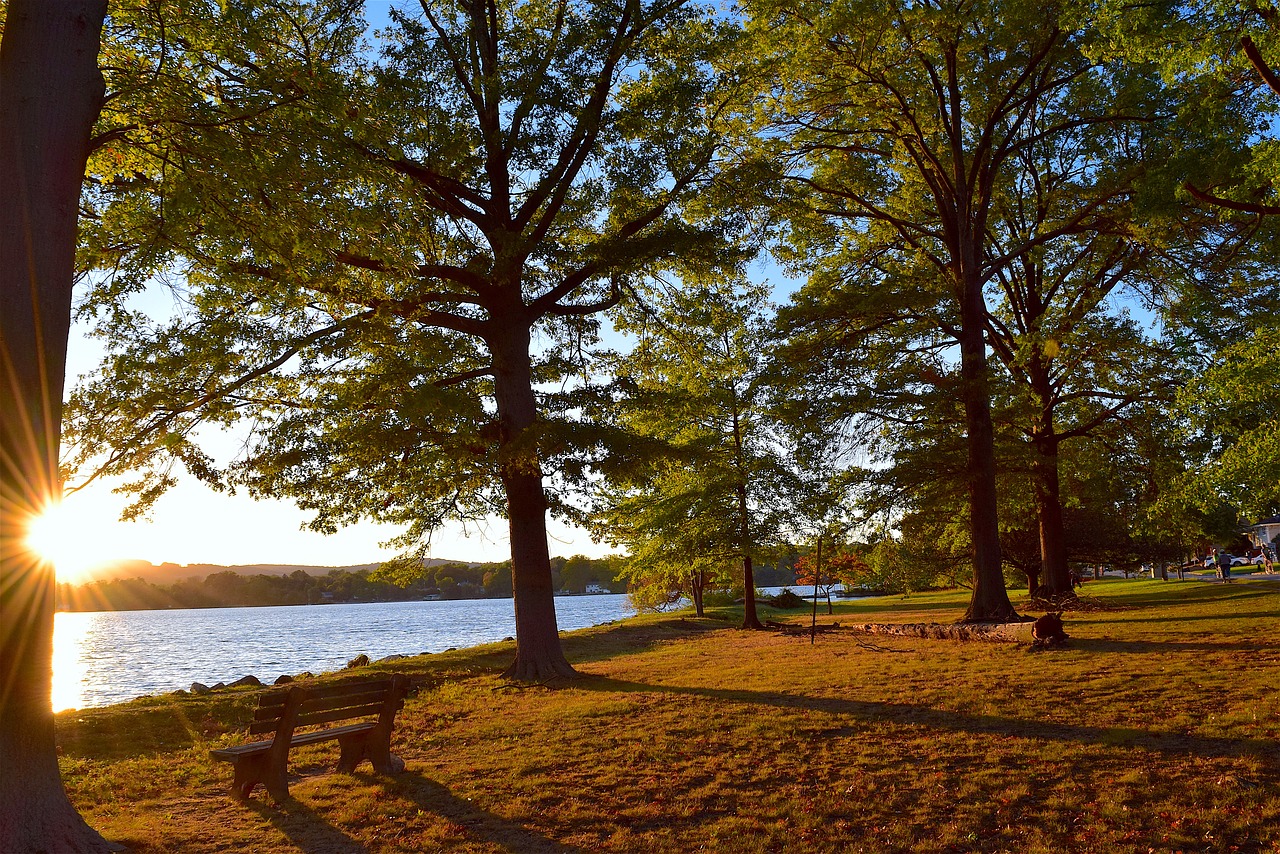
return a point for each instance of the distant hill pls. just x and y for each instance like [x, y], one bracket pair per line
[168, 573]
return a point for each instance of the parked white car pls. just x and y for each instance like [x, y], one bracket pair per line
[1236, 560]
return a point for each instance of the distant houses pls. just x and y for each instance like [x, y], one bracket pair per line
[1265, 531]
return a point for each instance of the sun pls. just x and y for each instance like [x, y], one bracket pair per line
[56, 536]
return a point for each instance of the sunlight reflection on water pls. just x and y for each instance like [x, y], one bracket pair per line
[107, 657]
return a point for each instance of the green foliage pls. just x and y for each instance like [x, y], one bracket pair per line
[1001, 161]
[367, 240]
[705, 483]
[901, 567]
[1235, 406]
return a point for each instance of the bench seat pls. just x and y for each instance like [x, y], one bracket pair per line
[229, 754]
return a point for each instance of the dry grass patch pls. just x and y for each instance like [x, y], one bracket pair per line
[1154, 730]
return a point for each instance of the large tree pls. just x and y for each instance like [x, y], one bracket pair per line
[707, 480]
[1232, 408]
[909, 124]
[391, 264]
[50, 93]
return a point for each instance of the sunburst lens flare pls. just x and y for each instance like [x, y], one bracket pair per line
[52, 536]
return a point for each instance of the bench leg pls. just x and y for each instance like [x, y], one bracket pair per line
[275, 773]
[354, 751]
[250, 771]
[368, 745]
[248, 774]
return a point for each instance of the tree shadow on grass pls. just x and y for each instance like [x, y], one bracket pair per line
[1165, 646]
[630, 638]
[432, 797]
[1196, 592]
[946, 719]
[304, 827]
[1172, 621]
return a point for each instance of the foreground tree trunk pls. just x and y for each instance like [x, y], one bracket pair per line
[539, 656]
[50, 94]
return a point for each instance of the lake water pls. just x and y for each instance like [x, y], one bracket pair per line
[109, 656]
[106, 657]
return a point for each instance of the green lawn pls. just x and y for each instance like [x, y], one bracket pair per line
[1154, 730]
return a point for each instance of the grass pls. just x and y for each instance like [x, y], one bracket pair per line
[1155, 730]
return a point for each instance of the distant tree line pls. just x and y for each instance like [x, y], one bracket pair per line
[390, 582]
[574, 574]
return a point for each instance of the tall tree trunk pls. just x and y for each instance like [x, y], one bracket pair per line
[1053, 538]
[697, 584]
[539, 656]
[750, 620]
[990, 601]
[50, 94]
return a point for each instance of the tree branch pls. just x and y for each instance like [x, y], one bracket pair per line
[1260, 65]
[1246, 207]
[158, 424]
[448, 272]
[458, 379]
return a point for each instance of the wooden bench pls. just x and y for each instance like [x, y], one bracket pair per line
[284, 712]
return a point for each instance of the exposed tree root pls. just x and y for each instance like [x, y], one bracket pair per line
[540, 670]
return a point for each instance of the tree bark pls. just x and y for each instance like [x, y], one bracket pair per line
[50, 95]
[750, 620]
[1053, 538]
[990, 602]
[697, 584]
[539, 656]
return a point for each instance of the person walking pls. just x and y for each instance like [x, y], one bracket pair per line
[1224, 566]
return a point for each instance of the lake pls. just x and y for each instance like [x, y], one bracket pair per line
[106, 657]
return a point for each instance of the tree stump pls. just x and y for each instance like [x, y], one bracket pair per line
[1047, 631]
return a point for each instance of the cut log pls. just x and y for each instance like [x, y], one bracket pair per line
[993, 632]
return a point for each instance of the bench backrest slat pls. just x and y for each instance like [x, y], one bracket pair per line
[346, 688]
[323, 705]
[278, 697]
[339, 715]
[320, 704]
